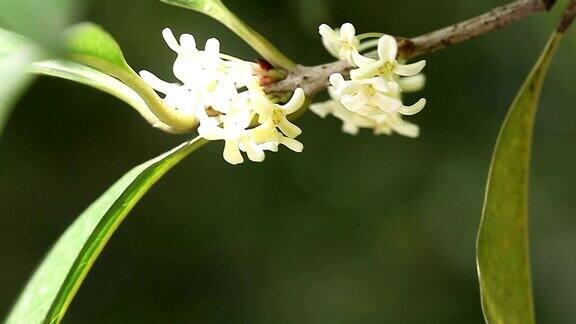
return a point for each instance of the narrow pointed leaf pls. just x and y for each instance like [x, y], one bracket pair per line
[16, 54]
[40, 20]
[93, 78]
[503, 247]
[90, 45]
[53, 285]
[93, 42]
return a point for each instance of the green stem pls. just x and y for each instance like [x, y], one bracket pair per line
[368, 45]
[217, 10]
[254, 39]
[369, 35]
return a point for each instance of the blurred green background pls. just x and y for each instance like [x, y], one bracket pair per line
[357, 229]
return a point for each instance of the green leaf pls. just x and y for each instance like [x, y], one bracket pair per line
[16, 54]
[40, 20]
[503, 246]
[90, 45]
[54, 284]
[217, 10]
[101, 81]
[91, 41]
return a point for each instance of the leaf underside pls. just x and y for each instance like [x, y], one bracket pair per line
[503, 247]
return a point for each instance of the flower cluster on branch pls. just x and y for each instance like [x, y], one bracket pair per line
[372, 96]
[225, 95]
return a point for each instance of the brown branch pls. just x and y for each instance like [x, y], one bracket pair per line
[314, 79]
[568, 17]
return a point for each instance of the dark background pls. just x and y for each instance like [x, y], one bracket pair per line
[357, 229]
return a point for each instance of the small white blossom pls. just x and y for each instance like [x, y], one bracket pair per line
[341, 43]
[351, 122]
[413, 83]
[234, 131]
[270, 138]
[373, 96]
[276, 113]
[383, 123]
[386, 65]
[388, 123]
[273, 117]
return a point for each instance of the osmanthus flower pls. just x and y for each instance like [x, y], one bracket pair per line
[274, 117]
[236, 135]
[270, 138]
[341, 43]
[373, 96]
[352, 122]
[224, 94]
[203, 75]
[276, 113]
[386, 65]
[389, 123]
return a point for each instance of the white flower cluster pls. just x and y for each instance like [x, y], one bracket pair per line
[372, 97]
[225, 95]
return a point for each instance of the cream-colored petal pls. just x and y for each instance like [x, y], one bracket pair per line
[211, 132]
[255, 153]
[292, 144]
[170, 39]
[393, 89]
[409, 69]
[404, 128]
[387, 48]
[383, 129]
[413, 83]
[361, 60]
[414, 109]
[156, 83]
[295, 102]
[366, 71]
[386, 103]
[336, 80]
[348, 32]
[212, 47]
[350, 128]
[288, 128]
[232, 153]
[323, 109]
[354, 103]
[380, 84]
[369, 111]
[326, 31]
[187, 43]
[332, 48]
[269, 146]
[263, 132]
[262, 106]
